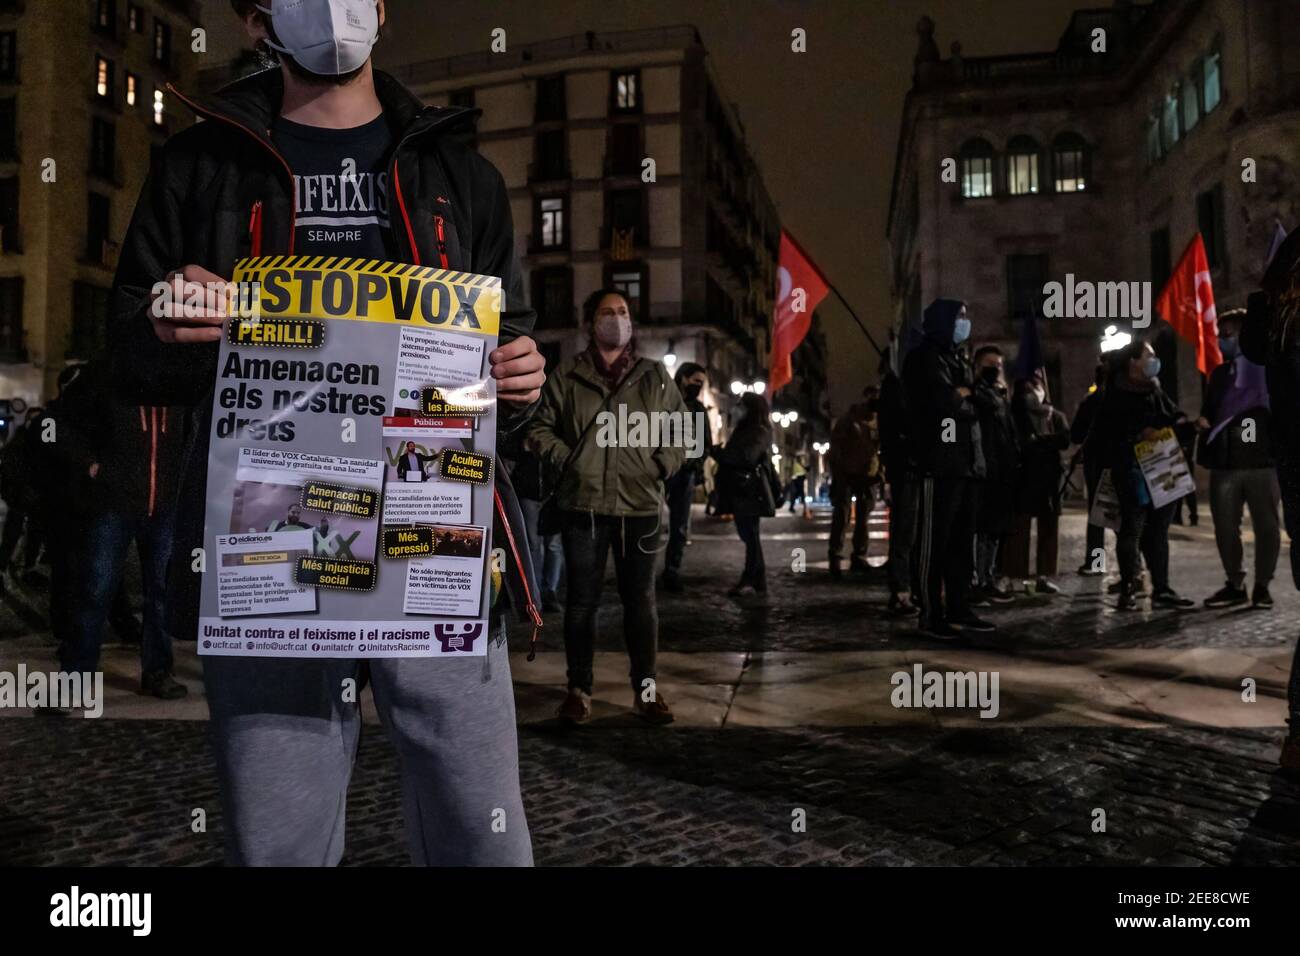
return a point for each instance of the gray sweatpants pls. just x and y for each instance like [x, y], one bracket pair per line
[286, 741]
[1257, 489]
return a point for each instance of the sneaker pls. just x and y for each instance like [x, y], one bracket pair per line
[1139, 587]
[1044, 586]
[979, 597]
[999, 596]
[1260, 597]
[1127, 600]
[576, 708]
[1289, 759]
[162, 685]
[900, 605]
[1171, 598]
[1226, 596]
[939, 631]
[976, 625]
[652, 711]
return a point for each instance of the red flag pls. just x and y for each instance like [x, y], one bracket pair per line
[1187, 303]
[800, 286]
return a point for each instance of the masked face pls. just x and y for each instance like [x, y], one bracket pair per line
[325, 37]
[613, 327]
[1229, 347]
[989, 373]
[1151, 366]
[693, 389]
[961, 329]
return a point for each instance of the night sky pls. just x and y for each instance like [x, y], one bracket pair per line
[823, 125]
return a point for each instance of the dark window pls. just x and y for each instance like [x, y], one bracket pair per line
[976, 169]
[551, 223]
[9, 237]
[550, 98]
[631, 281]
[625, 149]
[551, 162]
[134, 18]
[8, 129]
[1209, 220]
[103, 147]
[626, 216]
[1070, 163]
[89, 318]
[11, 320]
[1026, 276]
[625, 91]
[1160, 261]
[553, 297]
[97, 227]
[106, 17]
[162, 43]
[103, 77]
[8, 55]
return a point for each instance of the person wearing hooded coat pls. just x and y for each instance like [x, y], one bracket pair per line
[997, 494]
[943, 436]
[1044, 434]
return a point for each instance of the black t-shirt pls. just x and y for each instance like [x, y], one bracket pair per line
[340, 187]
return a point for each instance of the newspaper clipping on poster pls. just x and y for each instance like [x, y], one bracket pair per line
[350, 467]
[1164, 468]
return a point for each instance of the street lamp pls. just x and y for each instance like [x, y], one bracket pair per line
[737, 387]
[670, 357]
[1112, 340]
[758, 388]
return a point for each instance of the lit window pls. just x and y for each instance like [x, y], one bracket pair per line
[103, 77]
[132, 85]
[1069, 163]
[977, 170]
[1210, 91]
[629, 286]
[1022, 166]
[625, 91]
[157, 106]
[1169, 131]
[552, 223]
[1191, 105]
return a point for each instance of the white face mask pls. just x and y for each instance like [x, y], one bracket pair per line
[613, 331]
[325, 37]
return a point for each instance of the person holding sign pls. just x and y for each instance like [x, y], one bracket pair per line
[264, 176]
[1133, 409]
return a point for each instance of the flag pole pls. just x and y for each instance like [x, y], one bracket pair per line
[871, 338]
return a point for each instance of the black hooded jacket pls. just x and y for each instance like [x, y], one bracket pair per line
[932, 373]
[219, 191]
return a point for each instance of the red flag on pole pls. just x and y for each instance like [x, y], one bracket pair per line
[800, 287]
[1187, 303]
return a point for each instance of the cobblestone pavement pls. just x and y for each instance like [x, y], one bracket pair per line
[122, 791]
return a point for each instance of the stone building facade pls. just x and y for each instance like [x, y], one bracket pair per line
[1101, 163]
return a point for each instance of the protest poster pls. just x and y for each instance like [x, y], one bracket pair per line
[350, 466]
[1164, 468]
[1105, 503]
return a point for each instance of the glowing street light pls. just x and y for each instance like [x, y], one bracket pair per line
[1112, 340]
[670, 357]
[737, 388]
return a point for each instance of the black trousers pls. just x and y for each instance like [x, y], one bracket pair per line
[755, 572]
[903, 502]
[588, 540]
[1144, 530]
[946, 541]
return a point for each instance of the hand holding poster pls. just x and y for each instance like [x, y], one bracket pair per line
[348, 522]
[1164, 468]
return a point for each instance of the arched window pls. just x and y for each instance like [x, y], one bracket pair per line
[1022, 166]
[976, 169]
[1070, 163]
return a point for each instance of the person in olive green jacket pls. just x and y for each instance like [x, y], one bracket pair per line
[602, 428]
